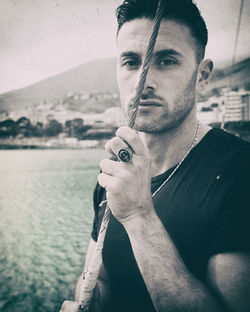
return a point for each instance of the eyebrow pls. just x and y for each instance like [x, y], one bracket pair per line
[168, 52]
[158, 54]
[129, 54]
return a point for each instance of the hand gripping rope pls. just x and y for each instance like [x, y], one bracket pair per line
[91, 275]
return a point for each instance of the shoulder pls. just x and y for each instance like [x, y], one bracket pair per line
[228, 141]
[221, 154]
[231, 151]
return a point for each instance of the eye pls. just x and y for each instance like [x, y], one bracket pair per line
[167, 62]
[130, 63]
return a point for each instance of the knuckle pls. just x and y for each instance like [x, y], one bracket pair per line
[65, 305]
[116, 140]
[120, 131]
[123, 174]
[102, 163]
[106, 164]
[111, 143]
[128, 134]
[100, 178]
[132, 139]
[108, 144]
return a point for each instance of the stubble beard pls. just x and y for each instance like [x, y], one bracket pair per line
[169, 117]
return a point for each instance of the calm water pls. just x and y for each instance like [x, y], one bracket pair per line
[45, 223]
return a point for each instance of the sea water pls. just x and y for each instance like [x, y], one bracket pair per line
[46, 217]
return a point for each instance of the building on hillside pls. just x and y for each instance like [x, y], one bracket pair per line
[115, 116]
[246, 103]
[212, 110]
[237, 106]
[4, 116]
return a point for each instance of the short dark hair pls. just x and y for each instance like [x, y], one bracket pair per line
[184, 11]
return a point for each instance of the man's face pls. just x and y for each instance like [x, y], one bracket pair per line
[169, 92]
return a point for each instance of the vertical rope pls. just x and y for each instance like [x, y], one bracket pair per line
[91, 275]
[230, 81]
[145, 66]
[237, 32]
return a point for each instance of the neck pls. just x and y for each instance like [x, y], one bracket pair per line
[167, 149]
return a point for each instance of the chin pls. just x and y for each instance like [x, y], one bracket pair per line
[159, 126]
[153, 129]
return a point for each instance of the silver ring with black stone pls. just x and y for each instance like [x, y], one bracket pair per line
[125, 154]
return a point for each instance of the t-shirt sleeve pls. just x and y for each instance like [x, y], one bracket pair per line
[98, 211]
[232, 230]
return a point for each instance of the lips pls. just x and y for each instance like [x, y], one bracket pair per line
[150, 102]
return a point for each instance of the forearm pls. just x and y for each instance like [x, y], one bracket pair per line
[78, 288]
[171, 286]
[104, 295]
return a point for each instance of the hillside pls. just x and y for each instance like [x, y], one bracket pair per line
[95, 76]
[237, 76]
[100, 76]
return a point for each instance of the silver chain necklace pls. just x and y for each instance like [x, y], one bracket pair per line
[176, 168]
[181, 161]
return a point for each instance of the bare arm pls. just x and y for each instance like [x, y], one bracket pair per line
[103, 292]
[171, 286]
[229, 275]
[101, 295]
[89, 254]
[73, 306]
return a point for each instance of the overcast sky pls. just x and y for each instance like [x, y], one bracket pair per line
[40, 38]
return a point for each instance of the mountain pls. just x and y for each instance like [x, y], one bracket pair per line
[95, 76]
[100, 76]
[237, 76]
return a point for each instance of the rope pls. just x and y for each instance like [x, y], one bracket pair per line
[237, 32]
[230, 81]
[91, 275]
[147, 60]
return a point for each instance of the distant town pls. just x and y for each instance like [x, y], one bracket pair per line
[61, 123]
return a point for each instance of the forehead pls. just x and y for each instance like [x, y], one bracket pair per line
[134, 36]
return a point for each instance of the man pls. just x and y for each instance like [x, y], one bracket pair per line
[187, 248]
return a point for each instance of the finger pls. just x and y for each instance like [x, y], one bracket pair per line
[110, 167]
[107, 181]
[131, 137]
[70, 306]
[108, 148]
[115, 144]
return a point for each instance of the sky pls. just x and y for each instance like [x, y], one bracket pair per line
[39, 39]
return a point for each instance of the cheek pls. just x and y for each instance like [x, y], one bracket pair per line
[173, 83]
[172, 79]
[124, 92]
[127, 82]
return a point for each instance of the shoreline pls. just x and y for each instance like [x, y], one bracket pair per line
[49, 143]
[71, 143]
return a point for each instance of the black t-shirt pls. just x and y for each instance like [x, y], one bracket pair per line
[204, 208]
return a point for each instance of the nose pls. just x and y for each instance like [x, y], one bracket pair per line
[149, 89]
[150, 83]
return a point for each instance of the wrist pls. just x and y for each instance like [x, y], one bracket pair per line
[144, 215]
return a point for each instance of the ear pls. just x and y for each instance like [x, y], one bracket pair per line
[204, 74]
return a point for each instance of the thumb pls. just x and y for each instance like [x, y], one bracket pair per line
[69, 306]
